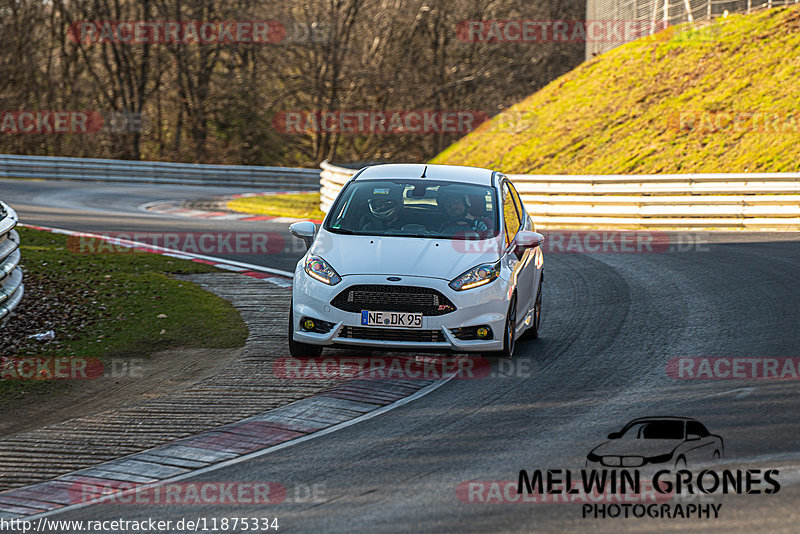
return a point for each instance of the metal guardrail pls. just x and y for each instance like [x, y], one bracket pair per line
[111, 170]
[729, 201]
[11, 288]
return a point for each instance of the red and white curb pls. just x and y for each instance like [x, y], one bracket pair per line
[268, 274]
[174, 207]
[343, 405]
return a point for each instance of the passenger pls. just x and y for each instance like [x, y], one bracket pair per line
[455, 205]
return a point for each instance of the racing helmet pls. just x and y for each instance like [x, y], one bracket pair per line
[385, 201]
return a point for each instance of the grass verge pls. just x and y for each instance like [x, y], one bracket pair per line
[296, 205]
[719, 98]
[113, 305]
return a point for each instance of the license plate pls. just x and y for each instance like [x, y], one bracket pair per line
[391, 319]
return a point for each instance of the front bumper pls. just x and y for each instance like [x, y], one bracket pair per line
[485, 305]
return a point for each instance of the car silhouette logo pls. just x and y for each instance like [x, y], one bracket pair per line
[670, 441]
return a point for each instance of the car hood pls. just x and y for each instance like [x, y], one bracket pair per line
[637, 447]
[409, 256]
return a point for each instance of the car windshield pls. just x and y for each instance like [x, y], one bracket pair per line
[655, 430]
[410, 208]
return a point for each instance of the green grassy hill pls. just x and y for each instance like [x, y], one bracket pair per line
[722, 98]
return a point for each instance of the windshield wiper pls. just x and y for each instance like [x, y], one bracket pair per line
[413, 235]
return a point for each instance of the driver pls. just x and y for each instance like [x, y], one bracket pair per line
[455, 204]
[385, 209]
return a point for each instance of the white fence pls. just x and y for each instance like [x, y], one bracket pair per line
[725, 201]
[655, 15]
[11, 287]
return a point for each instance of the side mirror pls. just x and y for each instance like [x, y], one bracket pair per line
[305, 230]
[527, 239]
[692, 437]
[614, 435]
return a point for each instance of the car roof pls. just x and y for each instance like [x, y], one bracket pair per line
[444, 173]
[662, 418]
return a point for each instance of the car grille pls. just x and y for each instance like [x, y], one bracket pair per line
[622, 461]
[422, 300]
[392, 334]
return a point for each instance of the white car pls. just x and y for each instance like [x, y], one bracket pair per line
[419, 257]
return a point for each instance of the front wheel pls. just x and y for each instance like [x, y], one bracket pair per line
[298, 349]
[509, 335]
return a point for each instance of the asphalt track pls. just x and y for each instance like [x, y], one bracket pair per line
[611, 324]
[110, 208]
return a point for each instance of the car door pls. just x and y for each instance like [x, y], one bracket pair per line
[535, 260]
[521, 263]
[702, 449]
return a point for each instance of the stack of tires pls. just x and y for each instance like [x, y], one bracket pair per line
[11, 287]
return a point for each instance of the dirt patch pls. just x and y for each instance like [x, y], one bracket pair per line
[124, 382]
[51, 302]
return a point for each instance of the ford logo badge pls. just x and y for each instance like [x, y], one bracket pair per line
[394, 278]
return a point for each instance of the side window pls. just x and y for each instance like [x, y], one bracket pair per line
[693, 427]
[510, 215]
[518, 203]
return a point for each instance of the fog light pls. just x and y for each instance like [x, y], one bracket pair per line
[308, 324]
[482, 332]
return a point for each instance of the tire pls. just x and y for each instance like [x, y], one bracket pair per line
[680, 463]
[509, 337]
[533, 331]
[297, 349]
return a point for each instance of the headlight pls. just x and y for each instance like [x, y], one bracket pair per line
[660, 459]
[318, 269]
[477, 276]
[592, 457]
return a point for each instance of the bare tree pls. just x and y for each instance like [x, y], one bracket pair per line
[215, 102]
